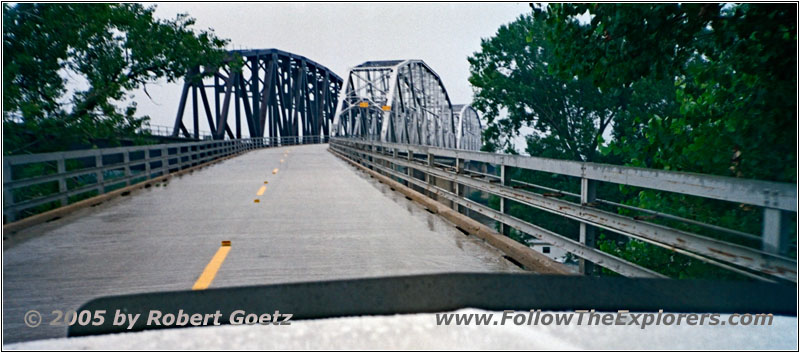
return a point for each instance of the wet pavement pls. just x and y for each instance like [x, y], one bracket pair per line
[317, 219]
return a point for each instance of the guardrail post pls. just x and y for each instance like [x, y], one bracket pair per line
[147, 163]
[374, 150]
[409, 170]
[9, 214]
[164, 161]
[62, 182]
[505, 179]
[460, 188]
[428, 177]
[395, 155]
[126, 160]
[775, 236]
[587, 232]
[452, 186]
[98, 163]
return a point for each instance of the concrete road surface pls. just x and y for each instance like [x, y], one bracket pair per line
[317, 219]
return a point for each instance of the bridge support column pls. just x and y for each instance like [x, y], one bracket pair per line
[775, 236]
[587, 232]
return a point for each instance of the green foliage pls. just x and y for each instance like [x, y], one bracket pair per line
[511, 73]
[733, 68]
[707, 88]
[622, 43]
[734, 113]
[67, 68]
[662, 260]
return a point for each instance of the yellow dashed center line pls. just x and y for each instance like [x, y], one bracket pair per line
[275, 171]
[261, 190]
[213, 266]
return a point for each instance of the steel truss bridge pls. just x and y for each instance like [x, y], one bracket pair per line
[279, 94]
[403, 101]
[391, 193]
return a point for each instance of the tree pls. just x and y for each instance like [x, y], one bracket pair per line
[733, 68]
[68, 67]
[707, 88]
[511, 73]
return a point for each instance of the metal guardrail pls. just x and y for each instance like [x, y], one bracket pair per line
[102, 170]
[166, 131]
[767, 263]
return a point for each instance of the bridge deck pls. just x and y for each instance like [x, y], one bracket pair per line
[318, 219]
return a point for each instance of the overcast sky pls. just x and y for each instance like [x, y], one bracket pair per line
[342, 35]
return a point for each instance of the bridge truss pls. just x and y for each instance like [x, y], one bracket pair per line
[279, 95]
[468, 127]
[402, 101]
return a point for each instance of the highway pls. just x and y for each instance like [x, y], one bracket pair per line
[317, 218]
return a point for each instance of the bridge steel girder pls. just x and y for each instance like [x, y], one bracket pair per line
[401, 101]
[279, 94]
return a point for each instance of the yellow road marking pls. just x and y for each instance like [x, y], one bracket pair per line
[275, 171]
[213, 266]
[261, 191]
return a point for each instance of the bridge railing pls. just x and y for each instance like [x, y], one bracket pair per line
[445, 176]
[36, 183]
[166, 131]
